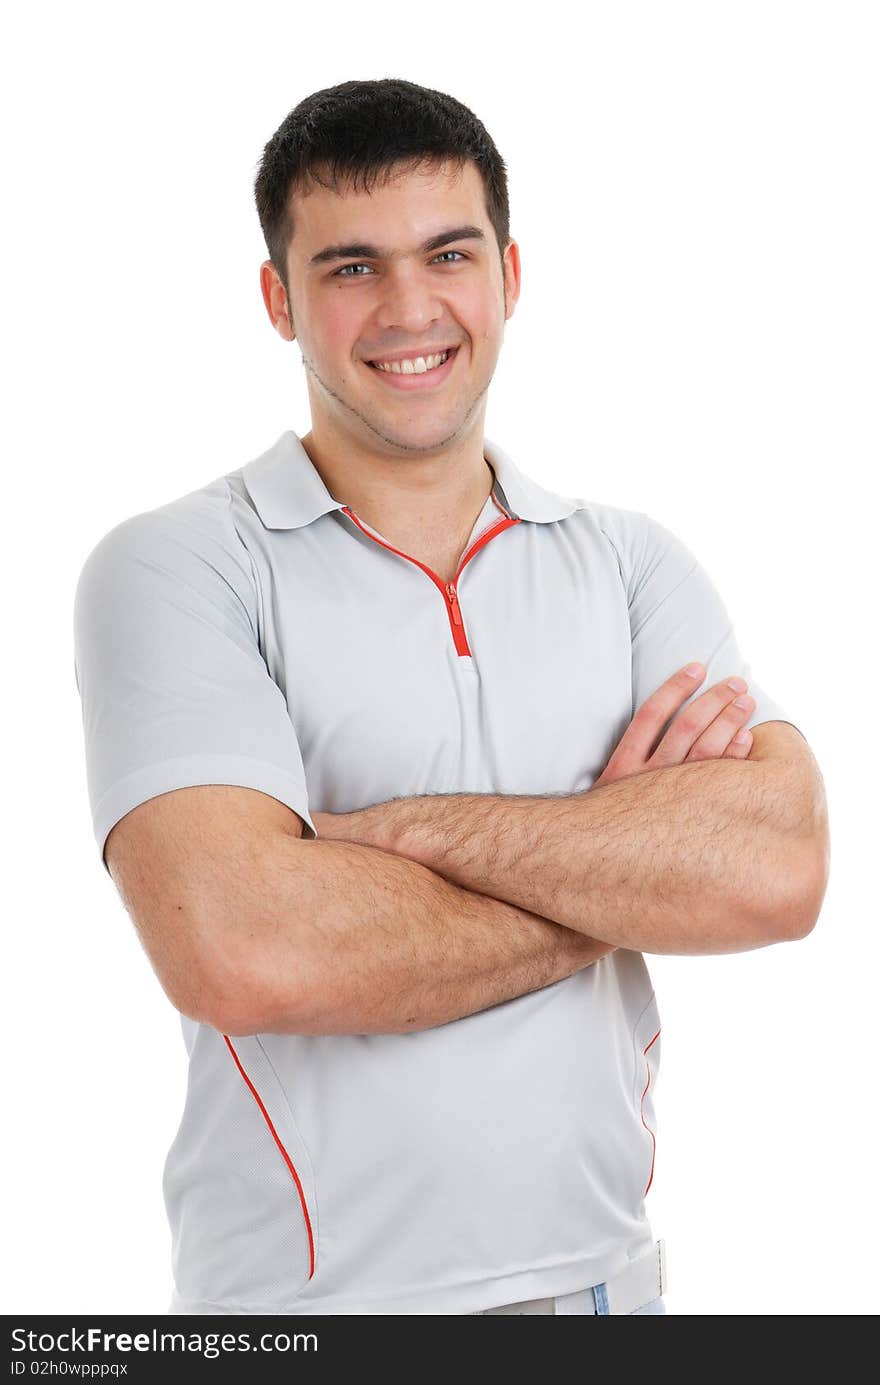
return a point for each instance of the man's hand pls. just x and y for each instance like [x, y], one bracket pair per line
[707, 730]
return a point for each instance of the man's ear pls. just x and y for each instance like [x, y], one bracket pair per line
[512, 278]
[276, 301]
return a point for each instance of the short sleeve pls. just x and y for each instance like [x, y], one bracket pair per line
[173, 686]
[677, 615]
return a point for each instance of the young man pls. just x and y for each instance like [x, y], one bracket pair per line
[397, 761]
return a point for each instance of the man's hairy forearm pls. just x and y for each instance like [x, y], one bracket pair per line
[349, 939]
[703, 857]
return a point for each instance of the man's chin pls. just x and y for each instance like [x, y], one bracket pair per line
[421, 436]
[424, 433]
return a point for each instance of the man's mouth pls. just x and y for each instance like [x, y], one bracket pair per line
[418, 371]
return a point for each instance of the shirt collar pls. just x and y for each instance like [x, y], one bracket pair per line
[288, 492]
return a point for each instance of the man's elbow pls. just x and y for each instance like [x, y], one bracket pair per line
[268, 999]
[260, 1011]
[241, 1016]
[264, 980]
[234, 1010]
[806, 881]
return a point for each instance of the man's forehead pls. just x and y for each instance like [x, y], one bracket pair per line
[398, 212]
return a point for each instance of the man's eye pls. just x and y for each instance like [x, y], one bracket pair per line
[341, 273]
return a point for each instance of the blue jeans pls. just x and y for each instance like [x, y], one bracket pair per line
[656, 1305]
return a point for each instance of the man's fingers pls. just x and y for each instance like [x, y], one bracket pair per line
[739, 749]
[704, 730]
[717, 737]
[641, 735]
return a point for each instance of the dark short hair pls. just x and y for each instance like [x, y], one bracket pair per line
[361, 131]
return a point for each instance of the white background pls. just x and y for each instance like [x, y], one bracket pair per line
[694, 191]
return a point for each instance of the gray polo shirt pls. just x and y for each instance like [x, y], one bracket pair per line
[256, 631]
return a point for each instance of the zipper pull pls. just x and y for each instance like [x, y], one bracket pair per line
[452, 598]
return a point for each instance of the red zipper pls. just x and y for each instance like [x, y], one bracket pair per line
[449, 589]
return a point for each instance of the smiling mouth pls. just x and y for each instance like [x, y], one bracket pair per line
[401, 369]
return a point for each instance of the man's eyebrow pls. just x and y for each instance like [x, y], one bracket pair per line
[370, 252]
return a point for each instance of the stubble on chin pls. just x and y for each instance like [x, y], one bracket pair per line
[377, 428]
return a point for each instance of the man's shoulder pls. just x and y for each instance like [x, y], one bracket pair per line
[619, 518]
[192, 533]
[639, 543]
[625, 529]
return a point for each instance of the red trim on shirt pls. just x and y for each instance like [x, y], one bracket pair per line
[449, 590]
[644, 1122]
[284, 1153]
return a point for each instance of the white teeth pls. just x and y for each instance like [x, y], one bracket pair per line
[418, 366]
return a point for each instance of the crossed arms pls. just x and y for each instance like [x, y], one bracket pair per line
[414, 912]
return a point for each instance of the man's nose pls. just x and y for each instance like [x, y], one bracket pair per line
[409, 303]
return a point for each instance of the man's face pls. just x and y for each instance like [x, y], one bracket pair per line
[394, 297]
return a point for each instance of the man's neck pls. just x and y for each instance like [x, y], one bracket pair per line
[421, 505]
